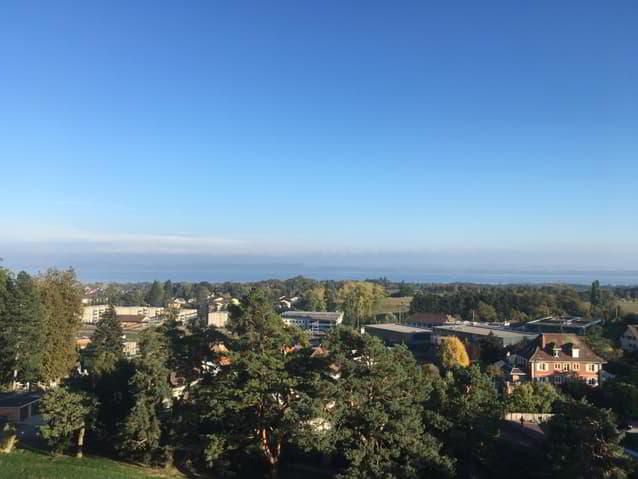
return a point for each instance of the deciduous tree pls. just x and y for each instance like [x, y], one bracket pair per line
[67, 414]
[452, 353]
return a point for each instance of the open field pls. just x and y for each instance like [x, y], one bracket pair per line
[629, 306]
[394, 305]
[24, 463]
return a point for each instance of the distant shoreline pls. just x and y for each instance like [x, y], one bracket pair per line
[261, 274]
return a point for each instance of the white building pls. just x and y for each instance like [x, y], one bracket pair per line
[317, 322]
[92, 314]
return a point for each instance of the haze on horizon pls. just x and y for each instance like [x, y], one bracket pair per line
[472, 136]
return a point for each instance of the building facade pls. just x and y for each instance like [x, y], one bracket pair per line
[317, 322]
[556, 358]
[629, 339]
[392, 334]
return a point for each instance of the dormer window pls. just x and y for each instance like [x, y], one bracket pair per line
[556, 351]
[575, 352]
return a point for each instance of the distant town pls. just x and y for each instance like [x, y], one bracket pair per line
[275, 377]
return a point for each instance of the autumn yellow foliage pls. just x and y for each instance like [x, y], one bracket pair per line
[453, 353]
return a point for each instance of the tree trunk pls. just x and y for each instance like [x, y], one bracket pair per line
[9, 442]
[274, 470]
[271, 454]
[80, 449]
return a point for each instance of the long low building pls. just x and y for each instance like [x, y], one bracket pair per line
[475, 332]
[392, 334]
[92, 314]
[317, 322]
[561, 324]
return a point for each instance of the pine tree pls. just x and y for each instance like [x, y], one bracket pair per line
[21, 332]
[261, 397]
[155, 296]
[377, 412]
[583, 442]
[107, 343]
[141, 434]
[168, 292]
[595, 295]
[61, 296]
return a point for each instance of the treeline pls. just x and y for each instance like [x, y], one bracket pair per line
[39, 317]
[258, 400]
[514, 303]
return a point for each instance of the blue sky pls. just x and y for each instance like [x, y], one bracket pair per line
[491, 134]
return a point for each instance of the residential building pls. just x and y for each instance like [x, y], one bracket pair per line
[561, 324]
[556, 357]
[473, 332]
[19, 407]
[218, 319]
[392, 334]
[317, 322]
[428, 320]
[629, 339]
[92, 314]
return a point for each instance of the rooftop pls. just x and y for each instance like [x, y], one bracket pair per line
[316, 315]
[430, 318]
[18, 399]
[485, 331]
[565, 321]
[131, 318]
[397, 328]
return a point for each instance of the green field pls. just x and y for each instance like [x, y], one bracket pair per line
[394, 305]
[28, 464]
[629, 307]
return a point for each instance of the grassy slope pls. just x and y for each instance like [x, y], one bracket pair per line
[394, 305]
[629, 306]
[28, 464]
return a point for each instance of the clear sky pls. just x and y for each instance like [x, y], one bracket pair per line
[485, 134]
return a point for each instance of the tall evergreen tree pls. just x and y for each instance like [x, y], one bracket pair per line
[584, 443]
[595, 294]
[155, 296]
[141, 434]
[260, 397]
[168, 292]
[378, 409]
[61, 296]
[469, 404]
[21, 330]
[107, 343]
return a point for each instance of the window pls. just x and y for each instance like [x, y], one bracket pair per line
[557, 366]
[541, 367]
[565, 366]
[575, 366]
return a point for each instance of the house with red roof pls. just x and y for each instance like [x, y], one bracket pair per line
[554, 358]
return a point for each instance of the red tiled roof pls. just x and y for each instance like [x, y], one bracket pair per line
[543, 349]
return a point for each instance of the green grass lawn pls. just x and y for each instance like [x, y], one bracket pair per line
[629, 306]
[30, 464]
